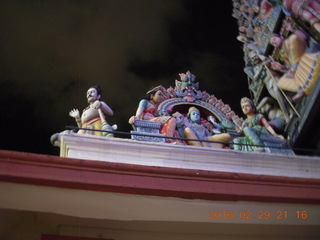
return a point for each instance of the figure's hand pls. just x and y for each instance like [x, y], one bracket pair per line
[74, 113]
[239, 129]
[211, 119]
[290, 75]
[280, 136]
[96, 104]
[276, 66]
[133, 119]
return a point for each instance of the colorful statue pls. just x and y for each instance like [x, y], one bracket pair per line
[256, 130]
[164, 111]
[270, 108]
[147, 110]
[197, 130]
[93, 117]
[187, 88]
[301, 69]
[307, 10]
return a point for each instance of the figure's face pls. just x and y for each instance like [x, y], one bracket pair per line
[157, 97]
[243, 29]
[253, 55]
[195, 116]
[246, 108]
[255, 8]
[178, 116]
[92, 95]
[275, 41]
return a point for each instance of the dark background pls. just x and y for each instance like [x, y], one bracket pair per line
[51, 52]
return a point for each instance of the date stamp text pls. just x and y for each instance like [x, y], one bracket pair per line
[261, 214]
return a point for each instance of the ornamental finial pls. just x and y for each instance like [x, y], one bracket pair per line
[188, 76]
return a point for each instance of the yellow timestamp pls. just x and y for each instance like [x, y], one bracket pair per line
[262, 214]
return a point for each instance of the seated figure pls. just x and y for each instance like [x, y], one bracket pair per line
[196, 130]
[147, 110]
[301, 69]
[256, 130]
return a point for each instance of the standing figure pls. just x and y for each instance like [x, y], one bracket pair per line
[301, 69]
[255, 128]
[92, 116]
[198, 131]
[147, 110]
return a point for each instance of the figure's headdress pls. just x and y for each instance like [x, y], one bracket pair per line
[155, 89]
[245, 99]
[192, 109]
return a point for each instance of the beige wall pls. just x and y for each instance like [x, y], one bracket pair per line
[21, 225]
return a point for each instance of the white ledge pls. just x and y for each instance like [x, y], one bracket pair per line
[187, 157]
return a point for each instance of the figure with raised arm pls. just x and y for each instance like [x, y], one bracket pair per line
[92, 117]
[147, 110]
[198, 131]
[255, 129]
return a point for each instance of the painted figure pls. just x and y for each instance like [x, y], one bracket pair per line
[307, 10]
[301, 69]
[147, 110]
[181, 123]
[198, 131]
[275, 116]
[255, 129]
[93, 117]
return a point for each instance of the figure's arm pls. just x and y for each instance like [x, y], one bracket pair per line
[180, 130]
[270, 129]
[279, 67]
[106, 109]
[140, 110]
[215, 124]
[240, 128]
[180, 119]
[103, 106]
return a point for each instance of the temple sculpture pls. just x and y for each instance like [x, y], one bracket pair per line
[92, 120]
[300, 69]
[280, 41]
[258, 134]
[199, 131]
[184, 115]
[281, 45]
[92, 117]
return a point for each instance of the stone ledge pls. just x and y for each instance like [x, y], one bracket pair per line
[187, 157]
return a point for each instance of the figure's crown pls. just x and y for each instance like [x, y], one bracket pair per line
[245, 99]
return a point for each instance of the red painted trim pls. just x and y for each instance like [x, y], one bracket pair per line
[44, 170]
